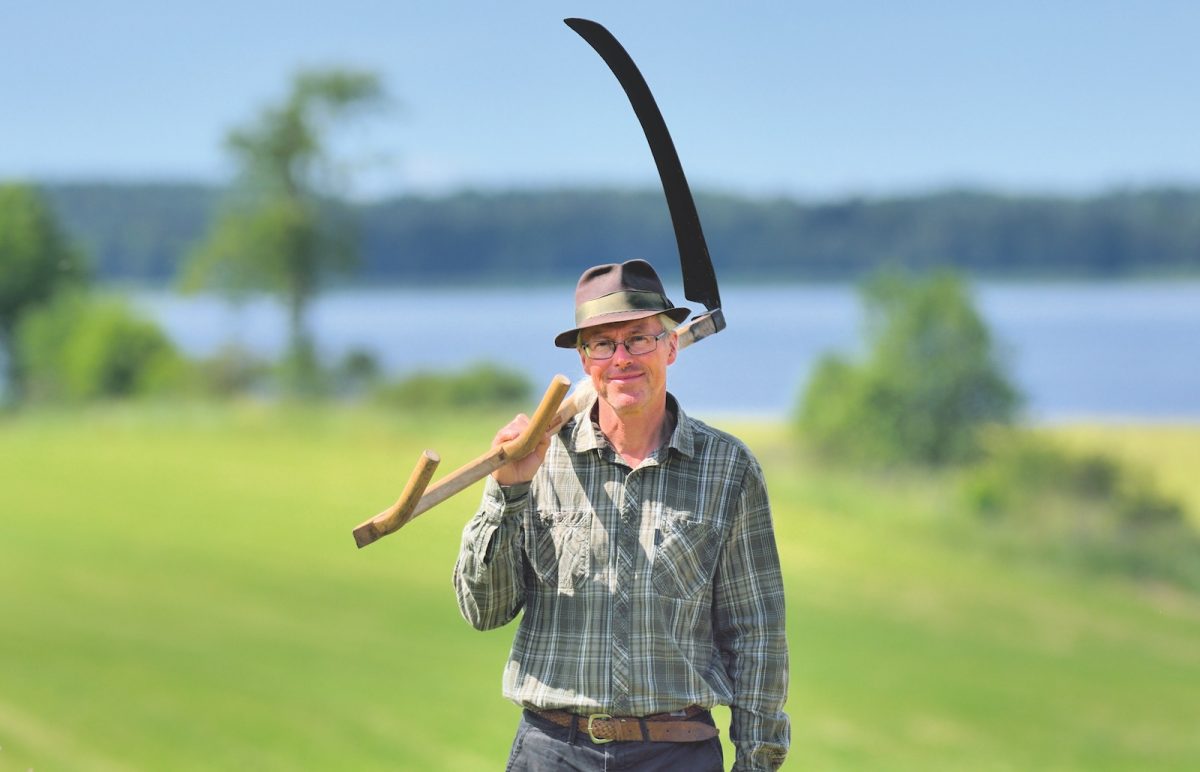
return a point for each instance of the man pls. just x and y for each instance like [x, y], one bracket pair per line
[639, 543]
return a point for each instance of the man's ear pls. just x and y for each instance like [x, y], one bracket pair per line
[673, 342]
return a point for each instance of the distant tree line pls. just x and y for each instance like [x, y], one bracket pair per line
[143, 233]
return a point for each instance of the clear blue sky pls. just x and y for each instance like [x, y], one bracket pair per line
[800, 98]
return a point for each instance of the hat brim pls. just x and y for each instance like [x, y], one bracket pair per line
[570, 338]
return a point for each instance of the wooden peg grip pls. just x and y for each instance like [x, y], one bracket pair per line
[397, 515]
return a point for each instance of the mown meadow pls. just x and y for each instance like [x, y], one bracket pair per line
[179, 589]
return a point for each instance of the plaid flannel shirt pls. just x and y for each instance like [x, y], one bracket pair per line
[644, 590]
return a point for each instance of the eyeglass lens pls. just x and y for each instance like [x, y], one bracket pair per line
[636, 345]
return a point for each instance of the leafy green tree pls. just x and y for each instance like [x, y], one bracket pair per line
[284, 229]
[35, 261]
[930, 381]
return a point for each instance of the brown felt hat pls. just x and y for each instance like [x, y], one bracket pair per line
[618, 293]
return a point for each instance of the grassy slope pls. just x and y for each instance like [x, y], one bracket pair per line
[181, 591]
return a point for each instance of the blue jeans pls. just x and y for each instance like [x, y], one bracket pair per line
[543, 746]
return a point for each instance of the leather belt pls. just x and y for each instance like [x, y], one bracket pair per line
[661, 727]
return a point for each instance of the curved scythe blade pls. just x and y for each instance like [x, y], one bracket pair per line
[699, 279]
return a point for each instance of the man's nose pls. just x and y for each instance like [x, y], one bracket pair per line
[622, 355]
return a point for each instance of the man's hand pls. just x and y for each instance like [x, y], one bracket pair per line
[522, 470]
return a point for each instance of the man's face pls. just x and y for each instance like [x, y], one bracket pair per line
[630, 383]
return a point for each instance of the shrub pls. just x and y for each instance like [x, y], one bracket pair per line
[357, 372]
[1021, 469]
[36, 261]
[231, 371]
[481, 385]
[929, 382]
[1084, 509]
[81, 348]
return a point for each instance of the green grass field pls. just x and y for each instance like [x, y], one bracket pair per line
[179, 590]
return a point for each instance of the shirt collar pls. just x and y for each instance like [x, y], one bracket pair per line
[585, 434]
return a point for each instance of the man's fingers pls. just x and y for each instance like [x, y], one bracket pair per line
[511, 430]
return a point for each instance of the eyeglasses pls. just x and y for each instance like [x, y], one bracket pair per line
[636, 345]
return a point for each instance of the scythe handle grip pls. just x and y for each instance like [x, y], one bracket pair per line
[397, 515]
[540, 423]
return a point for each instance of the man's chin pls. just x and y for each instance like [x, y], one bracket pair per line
[622, 398]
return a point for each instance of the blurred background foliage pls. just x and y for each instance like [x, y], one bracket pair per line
[931, 378]
[283, 231]
[932, 393]
[36, 261]
[483, 385]
[81, 347]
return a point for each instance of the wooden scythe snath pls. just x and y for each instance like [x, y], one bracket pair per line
[699, 285]
[416, 500]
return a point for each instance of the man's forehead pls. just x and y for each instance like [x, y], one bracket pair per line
[617, 329]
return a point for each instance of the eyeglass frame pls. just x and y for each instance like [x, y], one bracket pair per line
[586, 347]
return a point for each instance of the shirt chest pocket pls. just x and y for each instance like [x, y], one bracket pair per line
[559, 547]
[685, 557]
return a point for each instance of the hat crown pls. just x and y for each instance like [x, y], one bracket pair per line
[630, 276]
[617, 292]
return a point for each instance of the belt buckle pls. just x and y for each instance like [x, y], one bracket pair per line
[595, 739]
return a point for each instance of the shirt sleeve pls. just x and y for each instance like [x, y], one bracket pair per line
[489, 572]
[749, 626]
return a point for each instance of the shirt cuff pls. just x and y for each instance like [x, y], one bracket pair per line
[504, 500]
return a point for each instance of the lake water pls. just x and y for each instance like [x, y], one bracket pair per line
[1106, 351]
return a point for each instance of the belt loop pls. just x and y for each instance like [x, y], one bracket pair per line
[574, 730]
[645, 731]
